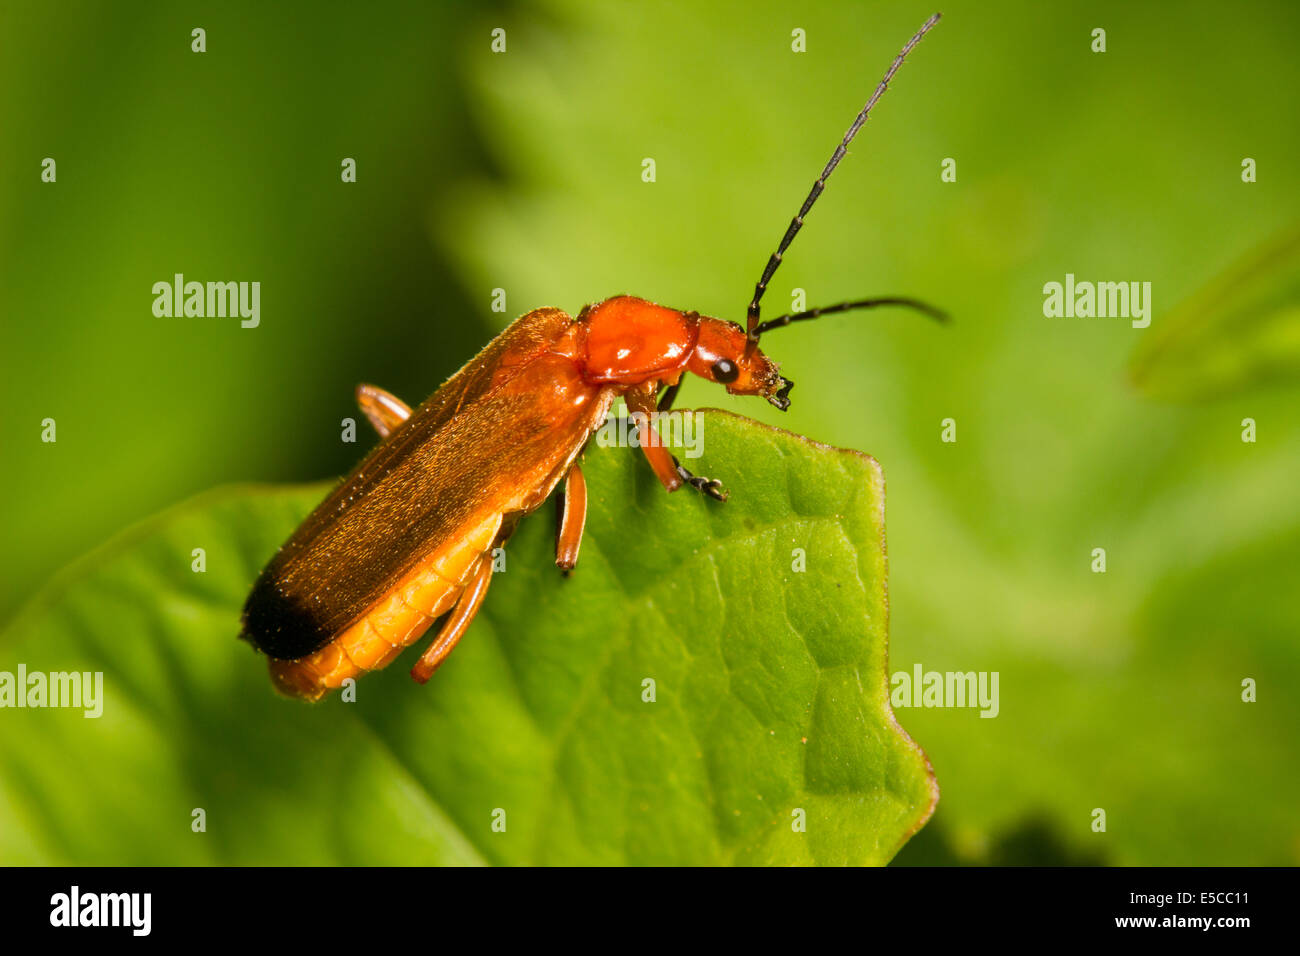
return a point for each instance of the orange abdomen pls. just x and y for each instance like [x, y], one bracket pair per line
[395, 621]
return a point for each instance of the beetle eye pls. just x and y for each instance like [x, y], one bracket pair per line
[725, 371]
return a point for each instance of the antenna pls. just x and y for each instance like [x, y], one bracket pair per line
[754, 328]
[782, 320]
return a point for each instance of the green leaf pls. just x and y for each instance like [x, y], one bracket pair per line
[1241, 329]
[770, 691]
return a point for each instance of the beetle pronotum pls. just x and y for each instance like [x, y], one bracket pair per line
[408, 536]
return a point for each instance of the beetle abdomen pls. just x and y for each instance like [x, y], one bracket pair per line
[438, 473]
[392, 623]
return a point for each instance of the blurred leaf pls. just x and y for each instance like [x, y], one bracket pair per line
[1034, 840]
[771, 692]
[257, 128]
[1241, 329]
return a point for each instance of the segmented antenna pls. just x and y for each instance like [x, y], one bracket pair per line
[781, 320]
[840, 150]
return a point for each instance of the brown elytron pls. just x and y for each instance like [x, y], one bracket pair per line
[409, 535]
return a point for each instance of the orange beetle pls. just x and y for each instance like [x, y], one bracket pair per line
[408, 536]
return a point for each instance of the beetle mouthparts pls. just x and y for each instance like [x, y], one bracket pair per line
[782, 398]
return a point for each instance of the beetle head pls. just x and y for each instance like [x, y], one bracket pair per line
[724, 354]
[630, 340]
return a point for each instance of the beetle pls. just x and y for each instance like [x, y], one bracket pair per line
[408, 536]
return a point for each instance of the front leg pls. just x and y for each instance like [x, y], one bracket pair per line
[672, 474]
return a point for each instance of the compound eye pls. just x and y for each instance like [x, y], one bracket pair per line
[725, 371]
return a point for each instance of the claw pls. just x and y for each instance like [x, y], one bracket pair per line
[709, 486]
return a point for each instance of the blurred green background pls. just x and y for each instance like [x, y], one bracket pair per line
[522, 171]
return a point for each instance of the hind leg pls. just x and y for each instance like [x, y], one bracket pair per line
[385, 410]
[457, 624]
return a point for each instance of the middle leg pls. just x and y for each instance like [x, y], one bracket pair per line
[572, 520]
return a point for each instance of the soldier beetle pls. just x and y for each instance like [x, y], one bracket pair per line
[408, 536]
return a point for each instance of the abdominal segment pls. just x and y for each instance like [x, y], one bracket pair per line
[395, 621]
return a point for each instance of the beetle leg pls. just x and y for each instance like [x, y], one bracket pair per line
[457, 624]
[573, 519]
[385, 410]
[670, 472]
[709, 486]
